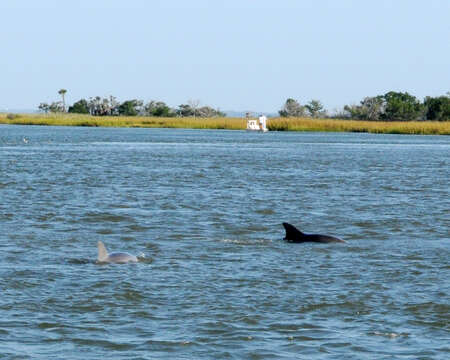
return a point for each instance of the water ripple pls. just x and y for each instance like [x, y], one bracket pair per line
[214, 277]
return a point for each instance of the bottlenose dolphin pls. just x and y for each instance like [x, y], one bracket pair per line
[296, 236]
[116, 258]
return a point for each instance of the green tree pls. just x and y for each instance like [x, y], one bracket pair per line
[315, 108]
[130, 107]
[80, 107]
[162, 110]
[62, 92]
[292, 108]
[353, 111]
[401, 107]
[158, 108]
[437, 108]
[185, 110]
[207, 111]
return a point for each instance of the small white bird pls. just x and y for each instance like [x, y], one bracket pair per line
[25, 140]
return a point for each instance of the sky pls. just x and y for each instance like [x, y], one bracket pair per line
[242, 55]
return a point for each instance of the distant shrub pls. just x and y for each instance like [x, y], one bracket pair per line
[12, 116]
[80, 107]
[292, 108]
[437, 108]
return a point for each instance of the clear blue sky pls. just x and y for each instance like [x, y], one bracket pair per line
[231, 54]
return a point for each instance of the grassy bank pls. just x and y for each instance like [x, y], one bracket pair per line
[277, 124]
[378, 127]
[123, 121]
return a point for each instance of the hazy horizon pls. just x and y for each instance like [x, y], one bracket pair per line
[232, 55]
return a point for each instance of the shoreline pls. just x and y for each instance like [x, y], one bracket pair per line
[273, 124]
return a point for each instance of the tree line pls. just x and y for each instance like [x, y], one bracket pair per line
[392, 106]
[110, 106]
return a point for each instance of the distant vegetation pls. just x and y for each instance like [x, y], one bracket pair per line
[292, 108]
[273, 124]
[109, 106]
[392, 113]
[392, 106]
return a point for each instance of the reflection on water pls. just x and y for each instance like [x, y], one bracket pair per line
[204, 211]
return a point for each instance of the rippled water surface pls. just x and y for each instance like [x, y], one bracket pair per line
[203, 210]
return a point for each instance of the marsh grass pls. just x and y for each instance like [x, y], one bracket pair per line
[378, 127]
[124, 121]
[274, 124]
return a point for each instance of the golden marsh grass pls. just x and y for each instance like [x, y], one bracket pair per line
[124, 121]
[378, 127]
[273, 124]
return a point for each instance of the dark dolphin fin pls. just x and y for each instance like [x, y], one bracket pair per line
[292, 233]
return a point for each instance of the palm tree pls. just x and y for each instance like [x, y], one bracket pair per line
[62, 92]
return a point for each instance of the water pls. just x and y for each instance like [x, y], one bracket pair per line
[204, 209]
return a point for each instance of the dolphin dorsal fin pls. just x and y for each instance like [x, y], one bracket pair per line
[102, 252]
[292, 232]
